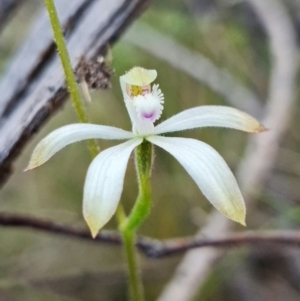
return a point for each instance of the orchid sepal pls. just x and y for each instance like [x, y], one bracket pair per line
[210, 116]
[69, 134]
[210, 172]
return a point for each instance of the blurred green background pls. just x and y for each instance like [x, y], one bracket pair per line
[38, 266]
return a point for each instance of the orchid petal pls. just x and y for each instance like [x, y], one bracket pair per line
[210, 116]
[209, 171]
[68, 134]
[104, 184]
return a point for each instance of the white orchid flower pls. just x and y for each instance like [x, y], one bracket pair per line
[105, 176]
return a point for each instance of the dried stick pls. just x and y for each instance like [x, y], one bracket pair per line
[151, 247]
[262, 149]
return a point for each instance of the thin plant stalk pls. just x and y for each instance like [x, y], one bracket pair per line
[69, 74]
[138, 214]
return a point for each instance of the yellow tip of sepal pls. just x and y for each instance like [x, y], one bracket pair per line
[243, 223]
[261, 129]
[93, 227]
[94, 233]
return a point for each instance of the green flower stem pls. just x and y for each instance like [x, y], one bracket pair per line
[135, 282]
[141, 209]
[69, 74]
[144, 160]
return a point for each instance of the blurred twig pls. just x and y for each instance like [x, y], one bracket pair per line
[7, 8]
[151, 247]
[262, 149]
[195, 65]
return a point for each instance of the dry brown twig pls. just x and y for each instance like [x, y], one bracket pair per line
[151, 247]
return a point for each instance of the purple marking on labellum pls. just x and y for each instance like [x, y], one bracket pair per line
[148, 115]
